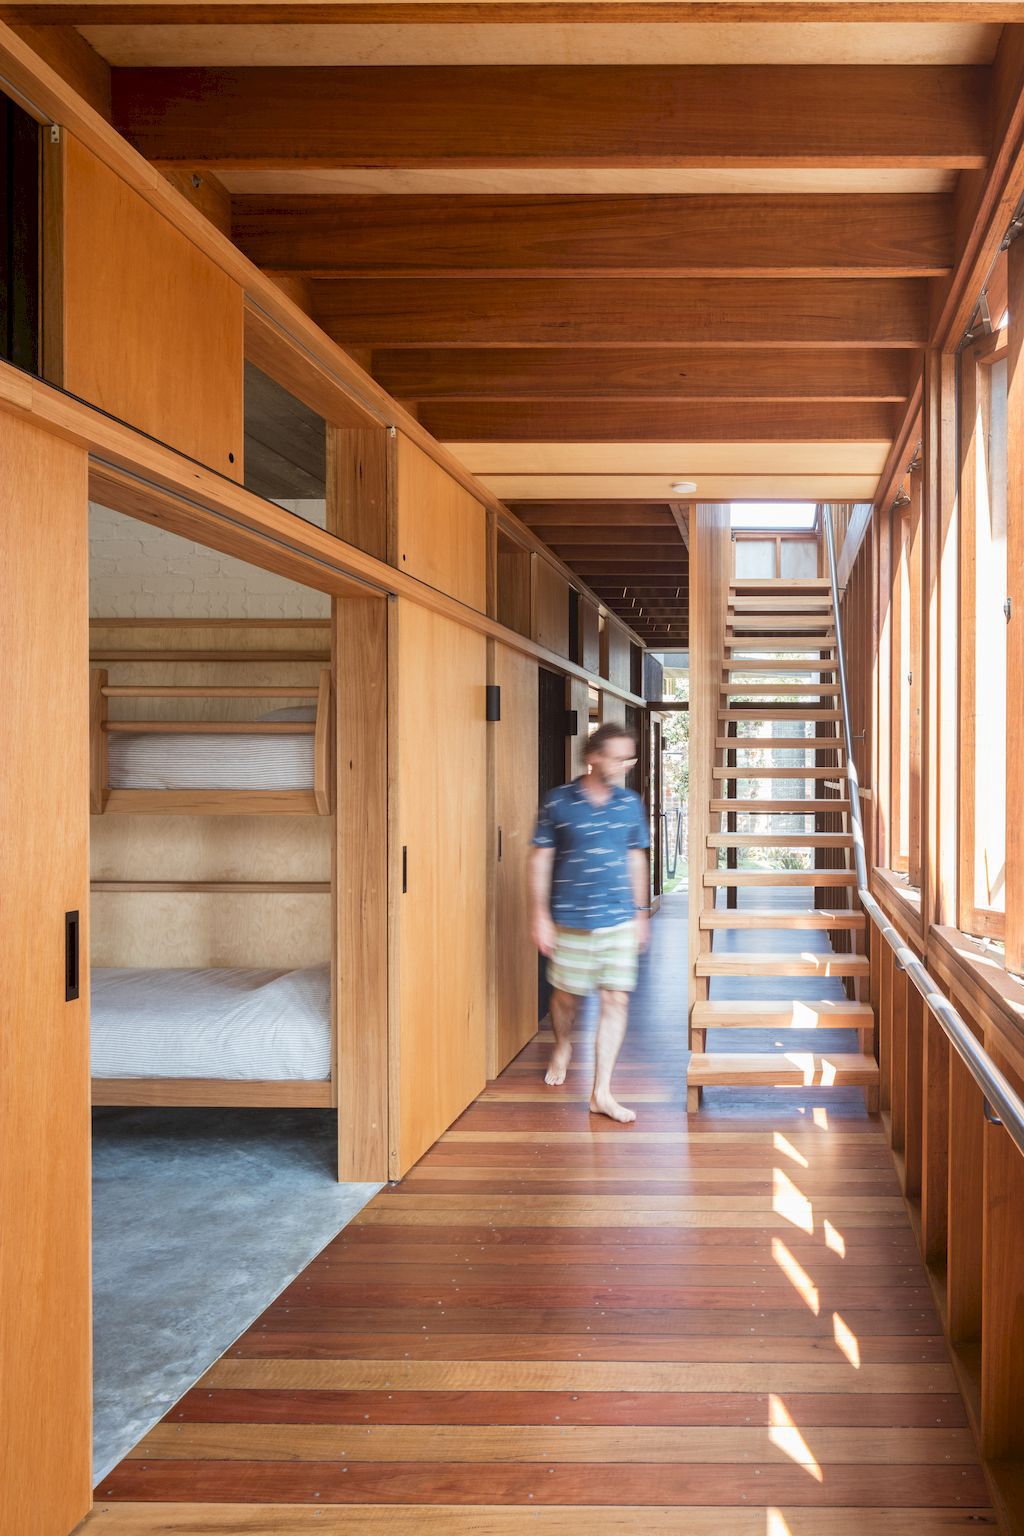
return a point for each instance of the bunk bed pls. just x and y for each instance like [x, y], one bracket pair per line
[275, 765]
[180, 1017]
[213, 1036]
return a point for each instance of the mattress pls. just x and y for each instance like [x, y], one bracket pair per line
[240, 1024]
[184, 761]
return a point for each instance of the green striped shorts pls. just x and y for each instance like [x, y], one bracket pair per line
[587, 959]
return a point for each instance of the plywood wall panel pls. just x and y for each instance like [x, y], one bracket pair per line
[201, 928]
[615, 657]
[550, 607]
[442, 529]
[590, 635]
[514, 754]
[45, 1330]
[153, 329]
[281, 848]
[438, 1052]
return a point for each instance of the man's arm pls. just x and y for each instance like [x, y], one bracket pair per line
[542, 929]
[639, 873]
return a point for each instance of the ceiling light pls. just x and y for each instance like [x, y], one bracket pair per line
[683, 487]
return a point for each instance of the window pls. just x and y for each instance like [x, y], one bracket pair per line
[905, 684]
[285, 448]
[20, 247]
[983, 584]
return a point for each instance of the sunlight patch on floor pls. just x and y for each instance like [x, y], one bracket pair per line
[846, 1340]
[780, 1144]
[834, 1240]
[791, 1203]
[797, 1276]
[786, 1437]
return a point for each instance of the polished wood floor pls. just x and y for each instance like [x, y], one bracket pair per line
[556, 1324]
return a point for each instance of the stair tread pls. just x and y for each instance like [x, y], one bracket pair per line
[752, 771]
[780, 743]
[771, 664]
[779, 840]
[807, 1068]
[787, 690]
[759, 644]
[778, 807]
[709, 1015]
[768, 713]
[820, 877]
[771, 917]
[750, 583]
[754, 963]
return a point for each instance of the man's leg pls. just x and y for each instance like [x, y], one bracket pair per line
[563, 1017]
[611, 1031]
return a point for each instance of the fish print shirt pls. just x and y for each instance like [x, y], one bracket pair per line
[590, 884]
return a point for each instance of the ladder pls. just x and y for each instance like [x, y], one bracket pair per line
[780, 735]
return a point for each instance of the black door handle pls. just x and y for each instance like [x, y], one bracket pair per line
[72, 926]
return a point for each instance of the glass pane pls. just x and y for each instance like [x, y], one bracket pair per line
[990, 653]
[799, 559]
[755, 558]
[19, 236]
[285, 448]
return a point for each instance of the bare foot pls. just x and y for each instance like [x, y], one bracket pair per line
[606, 1105]
[558, 1065]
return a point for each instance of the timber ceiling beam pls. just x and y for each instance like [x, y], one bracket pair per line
[697, 236]
[505, 12]
[657, 421]
[592, 514]
[612, 312]
[644, 373]
[866, 117]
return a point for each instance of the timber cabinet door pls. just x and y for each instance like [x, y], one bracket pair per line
[439, 1015]
[45, 1305]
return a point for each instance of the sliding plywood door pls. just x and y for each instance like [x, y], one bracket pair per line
[45, 1355]
[440, 871]
[514, 748]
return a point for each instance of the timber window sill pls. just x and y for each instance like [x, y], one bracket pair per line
[901, 900]
[982, 973]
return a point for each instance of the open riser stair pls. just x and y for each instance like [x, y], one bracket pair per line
[769, 959]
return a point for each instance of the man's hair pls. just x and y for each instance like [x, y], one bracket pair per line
[606, 733]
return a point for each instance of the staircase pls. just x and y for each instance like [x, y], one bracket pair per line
[779, 713]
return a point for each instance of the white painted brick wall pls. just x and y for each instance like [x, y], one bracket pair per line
[140, 572]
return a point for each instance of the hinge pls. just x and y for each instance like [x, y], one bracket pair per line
[55, 133]
[1008, 609]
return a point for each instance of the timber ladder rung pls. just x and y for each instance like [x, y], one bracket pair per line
[779, 771]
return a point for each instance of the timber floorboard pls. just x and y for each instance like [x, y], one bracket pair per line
[719, 1326]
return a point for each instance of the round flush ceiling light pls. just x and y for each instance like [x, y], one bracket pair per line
[684, 487]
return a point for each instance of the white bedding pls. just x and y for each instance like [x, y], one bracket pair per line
[238, 1024]
[174, 761]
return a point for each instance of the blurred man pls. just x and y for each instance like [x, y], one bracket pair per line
[590, 903]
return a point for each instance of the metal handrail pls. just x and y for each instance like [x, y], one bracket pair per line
[999, 1094]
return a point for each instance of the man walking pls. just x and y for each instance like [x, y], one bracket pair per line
[590, 903]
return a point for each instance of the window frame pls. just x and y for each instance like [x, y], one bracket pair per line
[905, 575]
[974, 388]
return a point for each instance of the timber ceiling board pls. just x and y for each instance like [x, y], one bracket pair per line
[632, 556]
[597, 247]
[483, 32]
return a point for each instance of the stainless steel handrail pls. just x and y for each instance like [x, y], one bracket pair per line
[1000, 1095]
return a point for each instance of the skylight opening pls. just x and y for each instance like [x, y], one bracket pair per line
[773, 514]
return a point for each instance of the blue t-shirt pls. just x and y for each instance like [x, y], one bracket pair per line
[590, 885]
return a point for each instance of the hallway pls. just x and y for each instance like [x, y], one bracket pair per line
[553, 1322]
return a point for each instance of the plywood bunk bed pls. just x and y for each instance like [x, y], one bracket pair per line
[210, 984]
